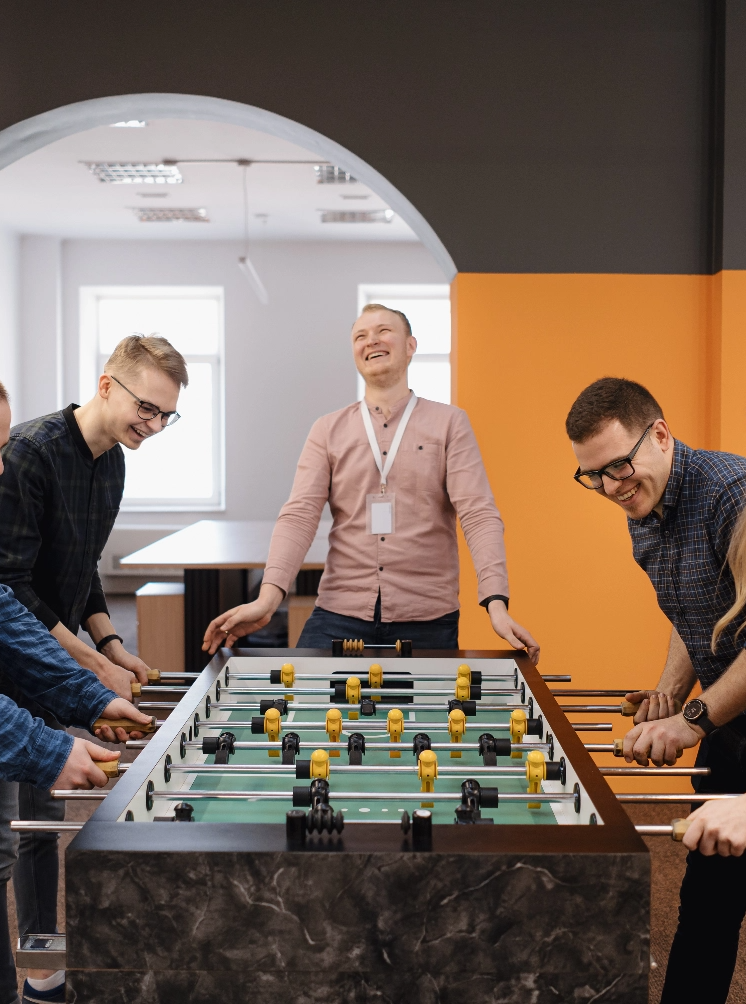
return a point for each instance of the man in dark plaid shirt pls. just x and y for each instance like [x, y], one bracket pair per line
[59, 497]
[681, 505]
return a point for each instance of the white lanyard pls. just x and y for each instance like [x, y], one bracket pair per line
[384, 469]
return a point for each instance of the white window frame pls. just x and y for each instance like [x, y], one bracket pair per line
[375, 292]
[91, 366]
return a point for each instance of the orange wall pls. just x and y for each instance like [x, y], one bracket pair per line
[524, 347]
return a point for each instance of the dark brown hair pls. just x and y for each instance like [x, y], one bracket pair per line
[607, 399]
[4, 395]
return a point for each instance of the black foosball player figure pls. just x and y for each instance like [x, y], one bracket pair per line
[59, 497]
[685, 514]
[396, 471]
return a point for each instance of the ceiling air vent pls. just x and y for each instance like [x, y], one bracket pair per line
[327, 174]
[136, 174]
[357, 215]
[148, 214]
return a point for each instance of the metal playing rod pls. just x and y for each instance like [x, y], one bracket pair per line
[153, 688]
[78, 796]
[231, 706]
[657, 771]
[372, 725]
[564, 692]
[364, 691]
[371, 747]
[398, 675]
[681, 799]
[288, 770]
[349, 796]
[675, 829]
[42, 826]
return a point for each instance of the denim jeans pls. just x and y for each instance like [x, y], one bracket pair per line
[323, 626]
[33, 862]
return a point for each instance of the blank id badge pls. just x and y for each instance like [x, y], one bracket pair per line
[380, 513]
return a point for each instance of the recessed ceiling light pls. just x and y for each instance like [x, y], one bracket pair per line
[328, 174]
[129, 124]
[148, 215]
[357, 215]
[135, 174]
[351, 197]
[152, 195]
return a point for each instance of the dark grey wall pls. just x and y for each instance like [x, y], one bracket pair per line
[534, 135]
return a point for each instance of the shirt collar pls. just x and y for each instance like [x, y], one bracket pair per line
[681, 456]
[397, 411]
[80, 444]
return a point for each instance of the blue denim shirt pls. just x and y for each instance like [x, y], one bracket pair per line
[30, 656]
[685, 553]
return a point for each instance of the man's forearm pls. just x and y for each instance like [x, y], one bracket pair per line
[726, 698]
[678, 676]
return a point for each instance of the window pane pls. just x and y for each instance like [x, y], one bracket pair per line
[430, 320]
[178, 462]
[191, 324]
[431, 379]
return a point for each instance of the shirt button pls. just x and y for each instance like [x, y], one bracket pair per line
[385, 452]
[419, 447]
[385, 425]
[383, 538]
[380, 568]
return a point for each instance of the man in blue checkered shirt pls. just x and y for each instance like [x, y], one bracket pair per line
[681, 506]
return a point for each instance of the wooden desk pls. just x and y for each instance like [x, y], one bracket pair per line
[214, 556]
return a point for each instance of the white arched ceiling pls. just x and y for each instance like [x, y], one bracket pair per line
[25, 137]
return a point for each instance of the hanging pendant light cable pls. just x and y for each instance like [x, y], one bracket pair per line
[244, 262]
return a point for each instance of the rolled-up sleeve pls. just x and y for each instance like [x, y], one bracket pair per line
[29, 751]
[470, 494]
[299, 518]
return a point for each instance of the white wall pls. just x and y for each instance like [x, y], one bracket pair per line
[286, 363]
[41, 327]
[10, 370]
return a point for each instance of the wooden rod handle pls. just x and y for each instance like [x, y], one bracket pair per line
[136, 688]
[109, 767]
[679, 828]
[629, 709]
[124, 723]
[154, 675]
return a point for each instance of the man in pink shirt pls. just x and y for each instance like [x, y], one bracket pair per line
[396, 471]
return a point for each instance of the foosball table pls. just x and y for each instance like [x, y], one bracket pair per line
[361, 827]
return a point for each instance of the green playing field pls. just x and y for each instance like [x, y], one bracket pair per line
[254, 810]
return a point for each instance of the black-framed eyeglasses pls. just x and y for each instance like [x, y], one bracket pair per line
[147, 411]
[617, 471]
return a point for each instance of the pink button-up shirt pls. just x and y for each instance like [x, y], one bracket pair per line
[437, 475]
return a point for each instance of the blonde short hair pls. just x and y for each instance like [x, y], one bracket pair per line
[4, 395]
[381, 306]
[136, 351]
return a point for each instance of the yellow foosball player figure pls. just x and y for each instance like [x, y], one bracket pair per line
[395, 728]
[397, 472]
[333, 728]
[427, 771]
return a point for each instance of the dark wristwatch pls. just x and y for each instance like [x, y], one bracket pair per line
[695, 712]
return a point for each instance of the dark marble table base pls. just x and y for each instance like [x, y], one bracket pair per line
[394, 987]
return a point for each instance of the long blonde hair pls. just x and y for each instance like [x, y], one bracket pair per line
[737, 563]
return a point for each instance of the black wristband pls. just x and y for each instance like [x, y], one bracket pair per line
[486, 603]
[100, 645]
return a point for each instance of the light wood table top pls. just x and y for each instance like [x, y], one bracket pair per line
[212, 543]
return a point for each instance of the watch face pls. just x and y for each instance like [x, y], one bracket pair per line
[693, 710]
